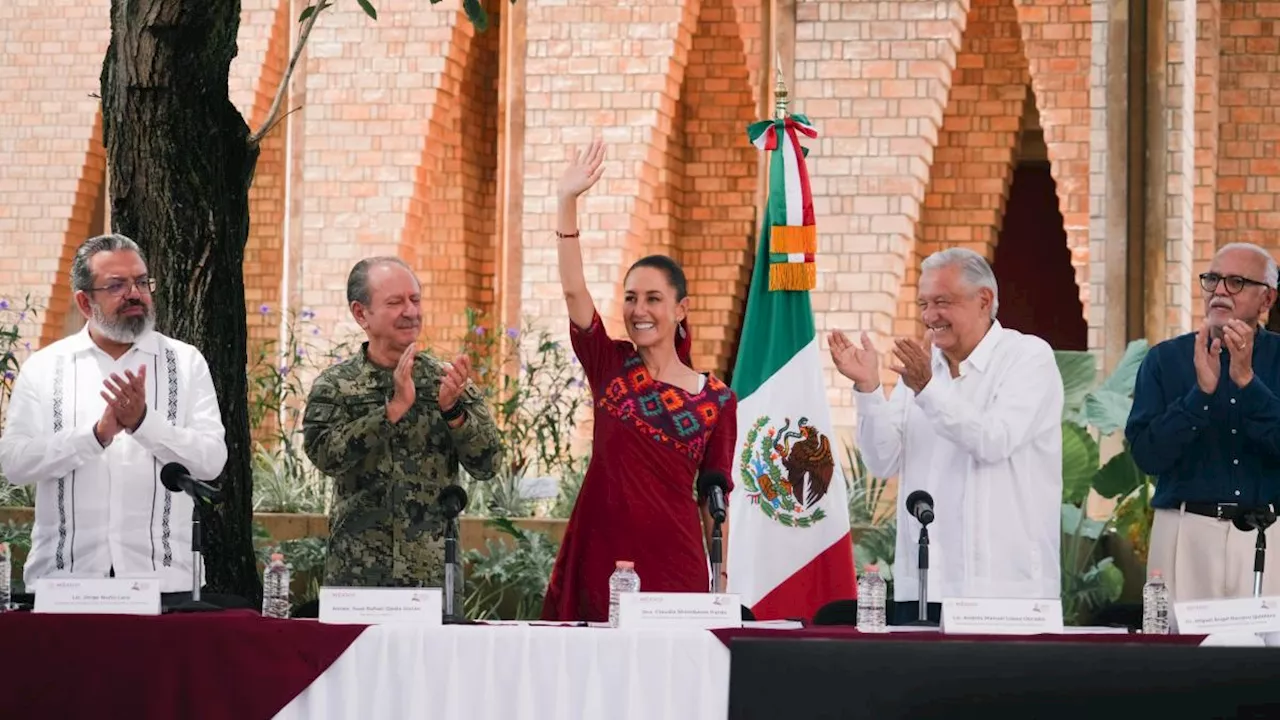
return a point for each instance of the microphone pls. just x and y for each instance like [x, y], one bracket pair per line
[712, 486]
[1259, 519]
[176, 479]
[920, 506]
[452, 500]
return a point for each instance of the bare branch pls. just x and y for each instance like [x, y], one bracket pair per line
[273, 114]
[266, 129]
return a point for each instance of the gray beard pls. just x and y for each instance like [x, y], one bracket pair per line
[124, 330]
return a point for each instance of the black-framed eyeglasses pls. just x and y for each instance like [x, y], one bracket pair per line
[1235, 283]
[118, 288]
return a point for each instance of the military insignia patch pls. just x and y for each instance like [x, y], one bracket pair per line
[787, 470]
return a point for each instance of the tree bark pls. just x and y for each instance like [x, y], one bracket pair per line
[180, 165]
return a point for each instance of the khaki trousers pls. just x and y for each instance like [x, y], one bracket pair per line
[1204, 558]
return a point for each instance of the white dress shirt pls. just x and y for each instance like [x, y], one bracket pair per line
[99, 509]
[987, 445]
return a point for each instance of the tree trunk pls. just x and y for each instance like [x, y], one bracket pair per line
[180, 165]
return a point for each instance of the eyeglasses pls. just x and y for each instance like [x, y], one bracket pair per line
[1235, 283]
[118, 288]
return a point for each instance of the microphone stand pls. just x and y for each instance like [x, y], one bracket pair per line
[451, 616]
[717, 582]
[922, 604]
[1261, 521]
[195, 604]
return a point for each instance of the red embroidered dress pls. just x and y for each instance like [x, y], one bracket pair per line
[638, 500]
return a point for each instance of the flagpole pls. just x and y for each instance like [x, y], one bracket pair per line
[780, 96]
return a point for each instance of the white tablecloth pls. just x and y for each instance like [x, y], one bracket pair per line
[521, 673]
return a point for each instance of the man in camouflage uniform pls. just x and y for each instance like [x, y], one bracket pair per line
[391, 426]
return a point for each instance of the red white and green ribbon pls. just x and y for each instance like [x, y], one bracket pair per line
[793, 236]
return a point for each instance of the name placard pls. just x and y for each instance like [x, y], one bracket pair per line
[381, 606]
[1247, 615]
[1001, 616]
[697, 611]
[98, 596]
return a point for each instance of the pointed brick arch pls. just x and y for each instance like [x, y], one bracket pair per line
[973, 162]
[718, 219]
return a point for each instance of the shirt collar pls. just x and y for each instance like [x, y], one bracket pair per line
[148, 342]
[980, 358]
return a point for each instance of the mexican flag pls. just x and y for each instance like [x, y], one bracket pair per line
[790, 551]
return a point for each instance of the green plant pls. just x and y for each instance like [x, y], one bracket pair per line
[509, 580]
[283, 480]
[868, 512]
[17, 534]
[303, 556]
[534, 386]
[13, 351]
[1092, 412]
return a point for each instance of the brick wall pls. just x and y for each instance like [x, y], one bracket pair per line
[1207, 119]
[973, 164]
[1180, 187]
[1248, 177]
[51, 157]
[874, 77]
[1057, 36]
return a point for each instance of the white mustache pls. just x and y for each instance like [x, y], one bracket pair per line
[1222, 303]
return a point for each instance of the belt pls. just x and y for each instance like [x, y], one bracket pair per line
[1221, 511]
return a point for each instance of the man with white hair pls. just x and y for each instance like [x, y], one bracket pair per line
[93, 419]
[1206, 422]
[976, 423]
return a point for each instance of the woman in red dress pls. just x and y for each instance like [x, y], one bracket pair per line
[658, 424]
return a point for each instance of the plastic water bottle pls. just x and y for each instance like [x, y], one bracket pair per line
[871, 600]
[275, 588]
[623, 580]
[6, 560]
[1155, 605]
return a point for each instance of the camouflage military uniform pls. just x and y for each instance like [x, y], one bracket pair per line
[386, 529]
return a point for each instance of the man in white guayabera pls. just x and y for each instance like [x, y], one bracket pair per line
[95, 416]
[975, 421]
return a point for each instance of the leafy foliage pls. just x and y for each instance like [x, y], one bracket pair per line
[13, 352]
[869, 512]
[509, 582]
[1093, 411]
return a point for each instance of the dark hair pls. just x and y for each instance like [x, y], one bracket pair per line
[670, 268]
[81, 277]
[358, 280]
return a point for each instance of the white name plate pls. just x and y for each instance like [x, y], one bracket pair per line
[1001, 616]
[381, 606]
[1247, 615]
[697, 611]
[98, 596]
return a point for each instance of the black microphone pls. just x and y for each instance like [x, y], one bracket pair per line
[712, 486]
[1259, 519]
[176, 479]
[452, 500]
[920, 506]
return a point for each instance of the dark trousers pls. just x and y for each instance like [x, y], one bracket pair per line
[905, 613]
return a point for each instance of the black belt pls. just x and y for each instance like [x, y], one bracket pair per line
[1221, 511]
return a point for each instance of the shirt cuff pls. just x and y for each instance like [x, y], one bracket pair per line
[85, 441]
[1255, 396]
[1196, 405]
[931, 396]
[146, 428]
[869, 402]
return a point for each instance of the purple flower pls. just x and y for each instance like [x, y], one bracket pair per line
[315, 331]
[4, 304]
[284, 369]
[8, 375]
[301, 352]
[26, 345]
[22, 316]
[480, 330]
[513, 333]
[307, 314]
[573, 360]
[264, 309]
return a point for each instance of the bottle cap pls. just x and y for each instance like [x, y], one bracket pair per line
[277, 556]
[871, 568]
[626, 564]
[1156, 574]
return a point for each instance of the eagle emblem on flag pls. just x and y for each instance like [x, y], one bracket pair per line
[787, 470]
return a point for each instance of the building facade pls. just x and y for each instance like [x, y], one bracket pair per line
[1097, 151]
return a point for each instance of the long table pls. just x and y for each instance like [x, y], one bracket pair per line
[239, 666]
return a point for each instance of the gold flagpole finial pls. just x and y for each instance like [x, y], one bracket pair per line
[780, 98]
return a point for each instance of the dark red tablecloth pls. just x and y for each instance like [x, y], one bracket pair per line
[727, 635]
[233, 664]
